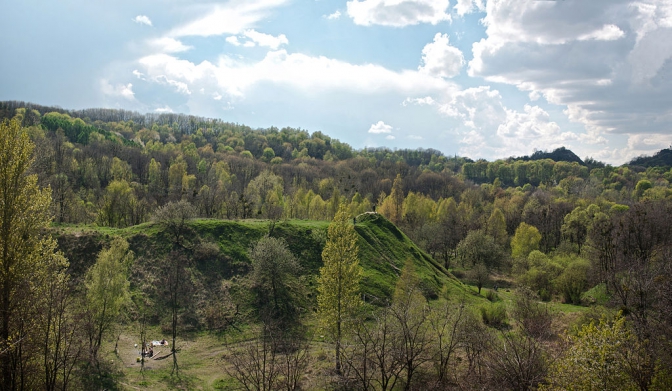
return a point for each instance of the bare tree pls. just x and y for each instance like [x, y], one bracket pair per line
[445, 324]
[274, 360]
[174, 217]
[411, 314]
[254, 363]
[373, 355]
[516, 361]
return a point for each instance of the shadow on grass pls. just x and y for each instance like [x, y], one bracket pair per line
[106, 377]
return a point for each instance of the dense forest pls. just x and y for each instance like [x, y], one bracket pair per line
[549, 230]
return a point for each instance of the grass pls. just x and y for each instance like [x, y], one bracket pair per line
[383, 249]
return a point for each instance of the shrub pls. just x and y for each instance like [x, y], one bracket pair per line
[494, 315]
[491, 295]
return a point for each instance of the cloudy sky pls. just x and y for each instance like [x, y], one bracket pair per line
[478, 78]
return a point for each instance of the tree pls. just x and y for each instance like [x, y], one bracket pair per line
[410, 311]
[496, 227]
[117, 205]
[107, 290]
[273, 271]
[338, 282]
[577, 223]
[516, 361]
[479, 275]
[60, 328]
[174, 217]
[479, 247]
[596, 359]
[25, 252]
[525, 240]
[445, 322]
[392, 206]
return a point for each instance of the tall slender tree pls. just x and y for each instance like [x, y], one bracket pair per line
[338, 282]
[24, 253]
[107, 290]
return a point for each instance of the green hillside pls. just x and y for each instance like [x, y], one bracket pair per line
[383, 251]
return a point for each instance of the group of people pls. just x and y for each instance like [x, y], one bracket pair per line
[148, 348]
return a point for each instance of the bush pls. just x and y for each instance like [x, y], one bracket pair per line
[533, 317]
[494, 315]
[491, 295]
[572, 282]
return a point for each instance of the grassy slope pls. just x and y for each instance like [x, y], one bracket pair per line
[383, 250]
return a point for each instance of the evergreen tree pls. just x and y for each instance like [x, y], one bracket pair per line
[338, 282]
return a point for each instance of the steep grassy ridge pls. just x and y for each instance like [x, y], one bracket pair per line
[383, 250]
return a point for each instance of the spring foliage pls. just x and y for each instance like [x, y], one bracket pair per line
[338, 282]
[26, 258]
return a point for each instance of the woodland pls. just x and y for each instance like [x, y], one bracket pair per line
[279, 259]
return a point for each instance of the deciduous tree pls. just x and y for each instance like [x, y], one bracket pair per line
[107, 290]
[338, 282]
[25, 252]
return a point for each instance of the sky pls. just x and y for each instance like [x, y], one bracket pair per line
[478, 78]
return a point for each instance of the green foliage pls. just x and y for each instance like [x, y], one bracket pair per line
[107, 291]
[573, 281]
[29, 264]
[494, 315]
[274, 271]
[595, 359]
[525, 240]
[491, 295]
[338, 283]
[480, 248]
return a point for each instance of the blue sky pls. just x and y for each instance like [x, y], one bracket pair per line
[478, 78]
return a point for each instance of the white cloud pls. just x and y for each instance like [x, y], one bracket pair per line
[380, 127]
[397, 13]
[179, 86]
[532, 123]
[255, 38]
[165, 109]
[142, 19]
[168, 45]
[441, 59]
[609, 63]
[608, 32]
[335, 15]
[426, 101]
[649, 142]
[117, 90]
[217, 96]
[488, 129]
[233, 40]
[230, 18]
[300, 71]
[389, 137]
[266, 40]
[139, 74]
[464, 7]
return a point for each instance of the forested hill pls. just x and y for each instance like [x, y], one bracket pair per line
[578, 232]
[115, 168]
[561, 154]
[662, 158]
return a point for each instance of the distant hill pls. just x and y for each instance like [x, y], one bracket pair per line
[661, 159]
[561, 154]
